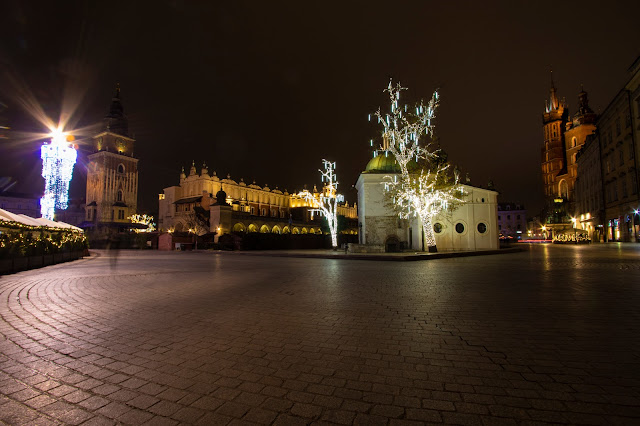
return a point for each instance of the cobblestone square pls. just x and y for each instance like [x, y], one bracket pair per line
[145, 337]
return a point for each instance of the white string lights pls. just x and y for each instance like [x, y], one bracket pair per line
[427, 189]
[58, 159]
[143, 219]
[327, 203]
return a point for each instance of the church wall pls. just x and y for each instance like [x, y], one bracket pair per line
[379, 221]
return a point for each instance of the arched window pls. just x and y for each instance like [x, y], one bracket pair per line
[121, 168]
[574, 142]
[563, 189]
[120, 195]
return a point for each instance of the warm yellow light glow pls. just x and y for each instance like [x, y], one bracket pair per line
[58, 136]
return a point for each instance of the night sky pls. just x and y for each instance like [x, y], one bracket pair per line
[266, 90]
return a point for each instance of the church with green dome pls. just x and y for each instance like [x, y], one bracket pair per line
[473, 226]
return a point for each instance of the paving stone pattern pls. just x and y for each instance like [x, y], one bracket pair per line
[546, 335]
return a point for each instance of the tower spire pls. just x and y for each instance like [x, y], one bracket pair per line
[116, 121]
[553, 104]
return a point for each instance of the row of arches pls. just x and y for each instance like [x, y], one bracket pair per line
[276, 229]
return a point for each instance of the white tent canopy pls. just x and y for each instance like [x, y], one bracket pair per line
[41, 221]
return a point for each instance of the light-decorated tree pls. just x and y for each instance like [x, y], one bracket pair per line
[143, 219]
[425, 186]
[327, 201]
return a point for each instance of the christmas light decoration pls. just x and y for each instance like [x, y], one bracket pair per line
[143, 219]
[327, 202]
[430, 191]
[403, 130]
[58, 159]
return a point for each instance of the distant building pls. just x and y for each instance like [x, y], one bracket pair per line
[588, 190]
[472, 226]
[193, 206]
[28, 205]
[618, 168]
[112, 174]
[609, 204]
[563, 138]
[512, 220]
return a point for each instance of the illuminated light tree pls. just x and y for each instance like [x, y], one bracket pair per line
[143, 220]
[58, 159]
[404, 128]
[424, 195]
[327, 201]
[427, 189]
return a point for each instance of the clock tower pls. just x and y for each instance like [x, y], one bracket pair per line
[112, 175]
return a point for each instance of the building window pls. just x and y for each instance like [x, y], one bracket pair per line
[121, 168]
[508, 217]
[253, 210]
[482, 227]
[264, 212]
[120, 214]
[437, 228]
[574, 142]
[459, 228]
[120, 195]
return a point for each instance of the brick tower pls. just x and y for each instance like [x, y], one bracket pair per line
[112, 175]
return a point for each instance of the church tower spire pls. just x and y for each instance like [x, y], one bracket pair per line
[116, 121]
[554, 121]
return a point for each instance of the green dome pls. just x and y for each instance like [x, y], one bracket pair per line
[383, 164]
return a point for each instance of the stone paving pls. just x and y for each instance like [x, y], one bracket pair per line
[545, 335]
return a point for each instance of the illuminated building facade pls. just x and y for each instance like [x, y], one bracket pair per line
[251, 208]
[564, 136]
[619, 169]
[609, 197]
[588, 190]
[112, 172]
[472, 226]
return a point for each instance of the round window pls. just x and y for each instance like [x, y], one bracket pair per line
[459, 228]
[437, 228]
[482, 228]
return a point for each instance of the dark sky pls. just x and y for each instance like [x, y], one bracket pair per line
[266, 90]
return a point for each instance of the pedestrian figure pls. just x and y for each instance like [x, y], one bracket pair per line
[113, 249]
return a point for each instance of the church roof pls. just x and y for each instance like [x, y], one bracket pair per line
[382, 164]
